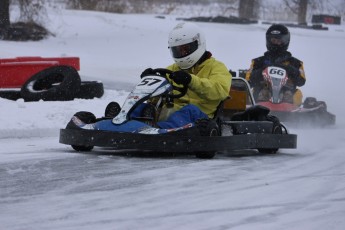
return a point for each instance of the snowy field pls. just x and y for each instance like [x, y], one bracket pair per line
[46, 185]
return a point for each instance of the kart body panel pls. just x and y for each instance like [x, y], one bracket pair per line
[175, 142]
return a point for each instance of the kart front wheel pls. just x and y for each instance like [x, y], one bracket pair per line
[87, 118]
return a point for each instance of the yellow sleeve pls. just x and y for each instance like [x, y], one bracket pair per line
[214, 85]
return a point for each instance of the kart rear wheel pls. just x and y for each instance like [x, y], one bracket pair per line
[207, 128]
[277, 129]
[79, 148]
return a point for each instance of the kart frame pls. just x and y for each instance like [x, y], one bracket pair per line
[176, 143]
[246, 133]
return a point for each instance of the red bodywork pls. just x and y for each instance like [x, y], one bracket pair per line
[14, 72]
[281, 107]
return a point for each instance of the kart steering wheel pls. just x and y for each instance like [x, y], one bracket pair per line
[163, 73]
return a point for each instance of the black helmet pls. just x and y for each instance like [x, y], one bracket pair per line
[277, 38]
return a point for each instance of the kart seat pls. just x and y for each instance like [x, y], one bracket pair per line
[235, 102]
[254, 113]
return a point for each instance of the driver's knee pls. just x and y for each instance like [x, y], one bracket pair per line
[297, 97]
[264, 94]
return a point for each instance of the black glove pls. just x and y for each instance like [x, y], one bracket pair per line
[256, 77]
[291, 71]
[181, 77]
[148, 71]
[294, 75]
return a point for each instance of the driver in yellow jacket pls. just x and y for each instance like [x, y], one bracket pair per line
[208, 79]
[209, 84]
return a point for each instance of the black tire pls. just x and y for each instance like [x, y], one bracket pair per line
[207, 128]
[84, 116]
[90, 90]
[11, 95]
[310, 102]
[323, 105]
[112, 110]
[58, 83]
[82, 148]
[277, 129]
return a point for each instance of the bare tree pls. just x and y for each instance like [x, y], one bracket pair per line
[32, 11]
[4, 14]
[327, 7]
[28, 28]
[302, 12]
[83, 4]
[248, 9]
[299, 7]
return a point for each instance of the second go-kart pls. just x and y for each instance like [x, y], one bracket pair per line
[237, 124]
[312, 112]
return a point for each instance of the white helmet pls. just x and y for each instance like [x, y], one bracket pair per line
[187, 44]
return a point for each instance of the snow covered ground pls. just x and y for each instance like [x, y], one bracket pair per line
[46, 185]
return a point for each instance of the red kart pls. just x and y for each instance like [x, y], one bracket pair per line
[312, 112]
[48, 79]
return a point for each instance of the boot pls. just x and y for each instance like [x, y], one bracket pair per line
[148, 114]
[288, 97]
[112, 110]
[264, 95]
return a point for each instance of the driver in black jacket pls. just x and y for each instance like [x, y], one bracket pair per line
[277, 43]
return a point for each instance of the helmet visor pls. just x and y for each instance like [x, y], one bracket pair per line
[278, 40]
[184, 50]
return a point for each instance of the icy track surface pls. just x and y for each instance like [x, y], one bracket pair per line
[45, 185]
[48, 186]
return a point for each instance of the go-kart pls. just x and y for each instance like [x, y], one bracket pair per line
[311, 112]
[48, 79]
[237, 124]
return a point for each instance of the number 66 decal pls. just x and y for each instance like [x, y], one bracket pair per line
[276, 72]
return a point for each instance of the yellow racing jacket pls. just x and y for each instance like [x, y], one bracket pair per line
[210, 84]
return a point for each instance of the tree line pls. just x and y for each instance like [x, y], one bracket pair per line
[32, 11]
